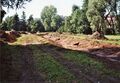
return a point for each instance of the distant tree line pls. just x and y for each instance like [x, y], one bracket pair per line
[23, 24]
[95, 15]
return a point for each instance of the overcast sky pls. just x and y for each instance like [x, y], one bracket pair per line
[35, 7]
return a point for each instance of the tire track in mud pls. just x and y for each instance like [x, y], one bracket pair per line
[74, 68]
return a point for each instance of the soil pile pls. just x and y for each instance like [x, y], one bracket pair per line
[97, 35]
[8, 36]
[100, 49]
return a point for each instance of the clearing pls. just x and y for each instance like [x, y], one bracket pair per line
[60, 58]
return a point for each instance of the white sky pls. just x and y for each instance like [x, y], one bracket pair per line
[64, 7]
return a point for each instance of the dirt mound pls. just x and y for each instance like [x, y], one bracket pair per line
[100, 49]
[9, 36]
[15, 33]
[97, 35]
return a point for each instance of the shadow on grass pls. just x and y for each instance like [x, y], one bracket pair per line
[12, 61]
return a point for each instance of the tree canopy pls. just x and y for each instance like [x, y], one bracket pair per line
[13, 3]
[50, 19]
[94, 15]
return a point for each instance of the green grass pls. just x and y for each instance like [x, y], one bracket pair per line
[90, 65]
[54, 71]
[113, 39]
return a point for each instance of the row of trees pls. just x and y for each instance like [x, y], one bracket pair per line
[77, 22]
[23, 24]
[104, 15]
[49, 21]
[95, 15]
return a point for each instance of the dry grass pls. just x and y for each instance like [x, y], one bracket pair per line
[30, 39]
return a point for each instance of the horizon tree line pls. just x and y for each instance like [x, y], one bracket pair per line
[95, 15]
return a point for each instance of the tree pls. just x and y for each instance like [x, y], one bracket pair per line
[56, 22]
[85, 5]
[16, 22]
[67, 25]
[29, 22]
[74, 7]
[77, 22]
[48, 13]
[95, 15]
[22, 23]
[7, 24]
[2, 13]
[37, 26]
[113, 10]
[11, 4]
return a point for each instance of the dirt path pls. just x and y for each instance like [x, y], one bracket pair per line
[76, 69]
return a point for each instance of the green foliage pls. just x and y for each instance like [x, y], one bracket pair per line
[61, 29]
[50, 19]
[3, 26]
[47, 14]
[36, 25]
[80, 29]
[77, 22]
[15, 22]
[7, 24]
[95, 14]
[11, 23]
[22, 22]
[85, 5]
[74, 8]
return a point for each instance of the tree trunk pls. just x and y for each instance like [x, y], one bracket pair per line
[2, 14]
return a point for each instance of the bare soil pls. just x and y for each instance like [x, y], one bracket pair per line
[105, 51]
[29, 74]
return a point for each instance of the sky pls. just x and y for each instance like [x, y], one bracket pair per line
[64, 7]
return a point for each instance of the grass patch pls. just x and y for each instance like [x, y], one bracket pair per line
[90, 65]
[113, 39]
[55, 72]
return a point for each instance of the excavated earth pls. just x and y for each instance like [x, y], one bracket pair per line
[27, 72]
[104, 51]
